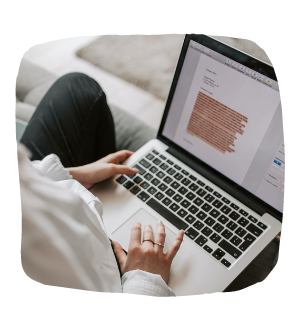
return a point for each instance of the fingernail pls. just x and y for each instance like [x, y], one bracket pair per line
[136, 170]
[159, 221]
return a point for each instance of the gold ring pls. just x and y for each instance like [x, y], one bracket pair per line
[158, 244]
[148, 239]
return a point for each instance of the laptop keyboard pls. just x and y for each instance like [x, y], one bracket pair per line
[212, 221]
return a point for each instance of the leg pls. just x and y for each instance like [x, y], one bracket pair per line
[72, 121]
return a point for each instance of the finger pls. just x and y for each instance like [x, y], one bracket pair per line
[122, 169]
[118, 156]
[148, 234]
[120, 254]
[175, 246]
[135, 236]
[160, 236]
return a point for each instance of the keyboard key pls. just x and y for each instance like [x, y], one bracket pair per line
[191, 233]
[236, 241]
[193, 187]
[202, 184]
[141, 170]
[218, 254]
[193, 209]
[206, 207]
[223, 219]
[234, 215]
[155, 152]
[148, 176]
[201, 240]
[225, 263]
[240, 232]
[208, 249]
[163, 157]
[145, 185]
[209, 221]
[121, 179]
[243, 222]
[177, 167]
[215, 237]
[153, 169]
[185, 203]
[192, 177]
[167, 201]
[234, 206]
[171, 171]
[201, 192]
[143, 196]
[168, 180]
[170, 162]
[185, 172]
[209, 198]
[162, 187]
[170, 192]
[217, 194]
[190, 196]
[214, 213]
[155, 182]
[175, 185]
[163, 166]
[218, 228]
[208, 188]
[182, 213]
[248, 240]
[159, 196]
[225, 209]
[182, 190]
[131, 176]
[198, 201]
[225, 200]
[190, 219]
[150, 156]
[174, 207]
[227, 234]
[152, 190]
[138, 179]
[185, 181]
[144, 163]
[230, 249]
[178, 176]
[206, 231]
[177, 198]
[201, 215]
[231, 225]
[135, 190]
[164, 212]
[244, 213]
[251, 218]
[156, 161]
[262, 226]
[128, 184]
[198, 225]
[254, 230]
[217, 204]
[160, 174]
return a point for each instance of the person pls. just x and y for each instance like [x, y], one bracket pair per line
[71, 141]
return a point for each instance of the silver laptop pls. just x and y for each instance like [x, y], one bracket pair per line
[216, 169]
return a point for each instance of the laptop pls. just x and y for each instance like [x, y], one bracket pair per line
[215, 170]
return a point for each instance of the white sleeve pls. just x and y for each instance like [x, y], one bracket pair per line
[144, 283]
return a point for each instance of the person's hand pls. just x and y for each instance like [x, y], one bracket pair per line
[147, 256]
[102, 169]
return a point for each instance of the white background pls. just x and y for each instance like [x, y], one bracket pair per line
[273, 304]
[250, 98]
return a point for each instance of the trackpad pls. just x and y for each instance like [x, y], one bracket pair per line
[122, 234]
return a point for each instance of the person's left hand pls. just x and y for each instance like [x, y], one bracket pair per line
[102, 169]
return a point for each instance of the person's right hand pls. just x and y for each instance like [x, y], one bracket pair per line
[147, 256]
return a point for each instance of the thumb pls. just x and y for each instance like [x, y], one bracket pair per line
[120, 254]
[122, 169]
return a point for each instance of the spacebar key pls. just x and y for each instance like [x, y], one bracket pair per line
[168, 215]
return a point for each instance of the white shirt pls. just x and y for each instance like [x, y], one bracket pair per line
[64, 242]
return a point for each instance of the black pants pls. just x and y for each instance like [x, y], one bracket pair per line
[72, 121]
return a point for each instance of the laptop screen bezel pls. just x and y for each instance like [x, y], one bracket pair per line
[241, 58]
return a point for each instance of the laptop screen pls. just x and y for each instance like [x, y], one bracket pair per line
[229, 116]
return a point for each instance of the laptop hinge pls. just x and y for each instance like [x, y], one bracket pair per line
[228, 187]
